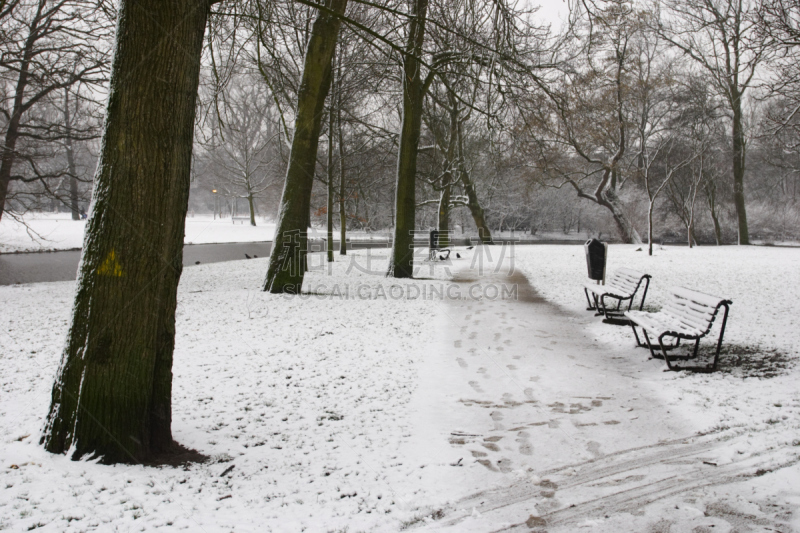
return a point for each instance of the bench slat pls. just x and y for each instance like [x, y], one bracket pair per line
[687, 313]
[630, 272]
[697, 297]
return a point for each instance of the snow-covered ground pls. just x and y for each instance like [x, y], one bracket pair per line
[373, 404]
[57, 231]
[49, 231]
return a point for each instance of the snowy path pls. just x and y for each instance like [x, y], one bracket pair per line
[551, 427]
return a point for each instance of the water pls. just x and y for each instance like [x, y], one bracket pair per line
[63, 266]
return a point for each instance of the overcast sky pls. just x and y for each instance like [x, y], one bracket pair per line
[552, 11]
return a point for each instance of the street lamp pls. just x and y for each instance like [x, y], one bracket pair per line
[215, 203]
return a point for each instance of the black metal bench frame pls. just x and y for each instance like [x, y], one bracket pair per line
[432, 254]
[615, 315]
[682, 336]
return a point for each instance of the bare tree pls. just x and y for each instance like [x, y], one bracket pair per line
[243, 153]
[48, 46]
[579, 128]
[721, 37]
[288, 259]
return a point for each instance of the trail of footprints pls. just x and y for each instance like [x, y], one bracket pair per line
[484, 448]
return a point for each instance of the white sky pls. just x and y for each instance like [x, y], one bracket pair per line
[552, 11]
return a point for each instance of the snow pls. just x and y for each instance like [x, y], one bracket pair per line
[57, 231]
[466, 400]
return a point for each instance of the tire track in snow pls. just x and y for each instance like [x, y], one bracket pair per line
[620, 482]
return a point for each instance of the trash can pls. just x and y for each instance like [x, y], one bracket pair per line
[596, 256]
[434, 239]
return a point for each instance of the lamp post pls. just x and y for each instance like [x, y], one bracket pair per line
[215, 203]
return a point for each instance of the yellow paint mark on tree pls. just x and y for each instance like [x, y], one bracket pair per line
[110, 266]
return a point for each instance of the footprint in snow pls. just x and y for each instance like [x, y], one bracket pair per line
[496, 336]
[457, 344]
[524, 442]
[594, 448]
[476, 386]
[462, 363]
[488, 464]
[473, 335]
[529, 393]
[511, 367]
[504, 465]
[491, 446]
[497, 416]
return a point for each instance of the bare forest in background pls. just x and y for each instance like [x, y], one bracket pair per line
[626, 123]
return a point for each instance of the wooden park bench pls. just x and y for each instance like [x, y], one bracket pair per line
[688, 315]
[622, 286]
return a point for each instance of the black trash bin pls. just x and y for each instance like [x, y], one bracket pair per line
[596, 256]
[434, 239]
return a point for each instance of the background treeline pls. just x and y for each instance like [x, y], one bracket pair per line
[674, 119]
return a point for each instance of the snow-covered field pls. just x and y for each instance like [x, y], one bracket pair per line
[57, 231]
[48, 231]
[374, 404]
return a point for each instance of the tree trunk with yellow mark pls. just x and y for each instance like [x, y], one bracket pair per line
[112, 395]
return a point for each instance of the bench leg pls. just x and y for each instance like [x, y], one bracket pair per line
[614, 316]
[664, 350]
[591, 307]
[639, 343]
[646, 286]
[721, 334]
[649, 344]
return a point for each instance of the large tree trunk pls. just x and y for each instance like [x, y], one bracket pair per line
[401, 264]
[287, 263]
[473, 204]
[627, 232]
[738, 170]
[112, 395]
